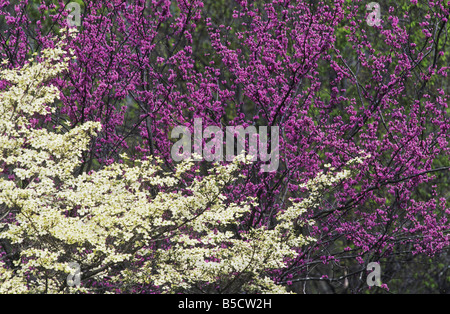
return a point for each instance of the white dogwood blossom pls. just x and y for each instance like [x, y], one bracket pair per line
[129, 224]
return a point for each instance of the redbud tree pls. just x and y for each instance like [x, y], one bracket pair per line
[337, 87]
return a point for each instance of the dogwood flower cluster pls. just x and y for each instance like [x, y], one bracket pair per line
[132, 224]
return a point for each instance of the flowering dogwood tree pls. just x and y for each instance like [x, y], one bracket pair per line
[126, 223]
[334, 84]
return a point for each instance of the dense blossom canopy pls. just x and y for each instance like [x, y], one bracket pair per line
[338, 88]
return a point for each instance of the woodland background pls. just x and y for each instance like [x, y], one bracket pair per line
[335, 85]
